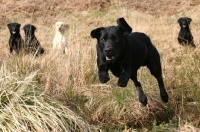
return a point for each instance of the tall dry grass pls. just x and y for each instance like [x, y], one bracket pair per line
[25, 107]
[62, 92]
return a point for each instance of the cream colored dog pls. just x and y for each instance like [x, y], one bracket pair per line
[60, 41]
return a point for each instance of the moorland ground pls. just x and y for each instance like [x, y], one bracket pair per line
[62, 92]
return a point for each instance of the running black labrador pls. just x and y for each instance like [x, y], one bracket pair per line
[124, 53]
[32, 45]
[185, 36]
[15, 41]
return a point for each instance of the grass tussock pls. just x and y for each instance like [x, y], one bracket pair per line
[24, 107]
[122, 115]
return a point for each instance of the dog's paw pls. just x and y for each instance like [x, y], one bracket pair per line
[141, 95]
[122, 82]
[143, 99]
[104, 77]
[164, 97]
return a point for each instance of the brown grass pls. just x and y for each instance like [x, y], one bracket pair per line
[161, 7]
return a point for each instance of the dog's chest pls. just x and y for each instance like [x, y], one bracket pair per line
[185, 33]
[115, 68]
[59, 39]
[15, 41]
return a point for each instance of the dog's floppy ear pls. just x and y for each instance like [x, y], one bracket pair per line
[124, 25]
[179, 20]
[8, 25]
[24, 27]
[54, 25]
[18, 25]
[33, 27]
[189, 19]
[96, 32]
[66, 26]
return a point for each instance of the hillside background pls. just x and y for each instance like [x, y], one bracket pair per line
[62, 92]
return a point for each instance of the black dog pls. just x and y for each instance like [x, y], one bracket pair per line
[124, 53]
[15, 41]
[185, 36]
[32, 45]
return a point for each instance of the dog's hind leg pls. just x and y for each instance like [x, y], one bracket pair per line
[192, 44]
[163, 93]
[142, 96]
[156, 70]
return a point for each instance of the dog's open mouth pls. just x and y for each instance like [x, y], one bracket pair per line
[110, 58]
[13, 32]
[184, 25]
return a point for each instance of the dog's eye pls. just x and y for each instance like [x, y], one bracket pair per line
[102, 40]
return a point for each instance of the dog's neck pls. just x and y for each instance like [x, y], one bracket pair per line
[29, 36]
[60, 33]
[185, 30]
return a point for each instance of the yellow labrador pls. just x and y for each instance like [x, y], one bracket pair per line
[60, 41]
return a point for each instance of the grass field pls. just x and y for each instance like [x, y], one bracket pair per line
[57, 92]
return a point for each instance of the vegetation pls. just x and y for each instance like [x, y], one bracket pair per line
[57, 92]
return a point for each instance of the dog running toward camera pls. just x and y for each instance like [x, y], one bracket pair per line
[32, 45]
[15, 41]
[123, 53]
[185, 36]
[60, 41]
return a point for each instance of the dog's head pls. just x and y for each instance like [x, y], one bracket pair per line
[184, 22]
[61, 26]
[14, 28]
[29, 29]
[112, 40]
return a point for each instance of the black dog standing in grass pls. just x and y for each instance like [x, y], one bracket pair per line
[32, 45]
[124, 53]
[185, 36]
[15, 41]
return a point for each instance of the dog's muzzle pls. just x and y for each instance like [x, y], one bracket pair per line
[184, 25]
[13, 32]
[110, 58]
[110, 54]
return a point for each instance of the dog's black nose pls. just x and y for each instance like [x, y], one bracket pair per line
[109, 51]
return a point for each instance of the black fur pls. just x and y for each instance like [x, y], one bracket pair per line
[124, 53]
[15, 41]
[185, 36]
[32, 45]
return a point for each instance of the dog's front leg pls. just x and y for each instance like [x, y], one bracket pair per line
[124, 77]
[102, 67]
[103, 74]
[11, 50]
[10, 45]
